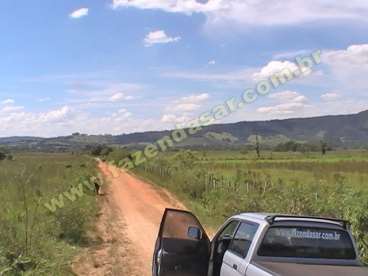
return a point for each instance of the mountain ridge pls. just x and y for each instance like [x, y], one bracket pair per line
[345, 131]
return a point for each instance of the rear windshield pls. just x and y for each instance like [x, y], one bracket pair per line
[304, 242]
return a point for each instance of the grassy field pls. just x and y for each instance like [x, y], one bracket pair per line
[217, 184]
[33, 240]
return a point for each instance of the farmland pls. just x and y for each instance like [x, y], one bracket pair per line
[213, 184]
[216, 184]
[33, 239]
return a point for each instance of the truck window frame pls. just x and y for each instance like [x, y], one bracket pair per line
[244, 256]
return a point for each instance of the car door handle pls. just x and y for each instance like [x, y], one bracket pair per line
[159, 256]
[235, 266]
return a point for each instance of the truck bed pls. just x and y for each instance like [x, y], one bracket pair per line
[292, 269]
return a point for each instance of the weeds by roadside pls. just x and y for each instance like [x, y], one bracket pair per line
[74, 193]
[33, 240]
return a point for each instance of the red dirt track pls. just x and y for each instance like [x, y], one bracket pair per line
[131, 212]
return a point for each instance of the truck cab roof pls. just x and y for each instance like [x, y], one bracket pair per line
[270, 218]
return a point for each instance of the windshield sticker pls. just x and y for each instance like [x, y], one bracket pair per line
[313, 235]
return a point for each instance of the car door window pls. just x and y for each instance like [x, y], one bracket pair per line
[177, 223]
[229, 230]
[243, 239]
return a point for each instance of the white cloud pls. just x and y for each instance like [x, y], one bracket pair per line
[233, 76]
[187, 107]
[195, 98]
[83, 112]
[355, 55]
[189, 103]
[331, 96]
[11, 108]
[176, 6]
[102, 93]
[348, 67]
[117, 97]
[8, 101]
[291, 54]
[79, 13]
[288, 95]
[254, 74]
[258, 12]
[42, 100]
[17, 121]
[275, 67]
[212, 62]
[65, 120]
[286, 103]
[181, 110]
[54, 115]
[174, 119]
[281, 109]
[159, 37]
[121, 114]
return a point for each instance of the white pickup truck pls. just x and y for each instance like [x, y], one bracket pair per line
[252, 244]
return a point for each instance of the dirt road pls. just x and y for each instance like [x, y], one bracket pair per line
[131, 211]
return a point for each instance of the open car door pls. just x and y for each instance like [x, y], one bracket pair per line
[182, 246]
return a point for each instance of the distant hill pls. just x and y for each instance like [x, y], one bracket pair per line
[343, 131]
[340, 131]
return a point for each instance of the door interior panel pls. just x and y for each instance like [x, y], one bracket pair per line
[178, 252]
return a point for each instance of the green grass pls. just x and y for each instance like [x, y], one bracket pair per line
[218, 184]
[34, 241]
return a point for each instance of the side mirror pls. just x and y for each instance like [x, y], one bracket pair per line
[194, 233]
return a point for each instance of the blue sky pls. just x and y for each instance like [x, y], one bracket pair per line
[119, 66]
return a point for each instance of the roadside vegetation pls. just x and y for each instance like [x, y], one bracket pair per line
[217, 184]
[33, 240]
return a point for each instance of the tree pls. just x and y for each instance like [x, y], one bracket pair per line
[96, 151]
[106, 151]
[258, 147]
[324, 147]
[2, 156]
[186, 158]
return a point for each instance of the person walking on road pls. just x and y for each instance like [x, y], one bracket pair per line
[96, 182]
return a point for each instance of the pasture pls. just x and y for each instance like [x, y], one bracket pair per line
[216, 184]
